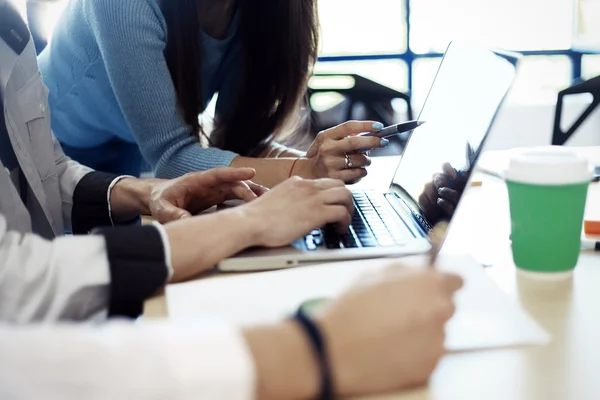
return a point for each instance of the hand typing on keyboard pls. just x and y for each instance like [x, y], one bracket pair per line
[371, 226]
[440, 196]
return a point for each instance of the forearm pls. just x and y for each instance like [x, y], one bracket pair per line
[272, 171]
[285, 365]
[276, 150]
[201, 359]
[199, 243]
[289, 152]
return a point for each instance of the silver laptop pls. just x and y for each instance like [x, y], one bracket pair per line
[469, 87]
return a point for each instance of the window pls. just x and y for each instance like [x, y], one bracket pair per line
[20, 6]
[508, 24]
[590, 66]
[587, 33]
[560, 40]
[391, 73]
[47, 12]
[540, 78]
[361, 28]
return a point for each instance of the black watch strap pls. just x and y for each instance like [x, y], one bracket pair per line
[313, 333]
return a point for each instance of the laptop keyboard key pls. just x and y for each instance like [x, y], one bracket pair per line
[331, 238]
[349, 241]
[318, 240]
[310, 243]
[372, 222]
[368, 242]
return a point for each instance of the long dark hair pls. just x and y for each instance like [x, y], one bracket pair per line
[280, 43]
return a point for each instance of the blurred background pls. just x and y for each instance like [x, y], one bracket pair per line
[379, 57]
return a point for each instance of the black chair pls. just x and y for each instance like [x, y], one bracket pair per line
[592, 86]
[363, 99]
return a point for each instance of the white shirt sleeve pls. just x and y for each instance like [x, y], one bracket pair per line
[67, 278]
[204, 359]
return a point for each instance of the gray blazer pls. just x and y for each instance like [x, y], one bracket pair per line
[41, 278]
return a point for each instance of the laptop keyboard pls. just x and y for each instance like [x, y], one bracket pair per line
[372, 225]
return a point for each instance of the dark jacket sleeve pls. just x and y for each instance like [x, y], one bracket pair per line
[90, 203]
[136, 254]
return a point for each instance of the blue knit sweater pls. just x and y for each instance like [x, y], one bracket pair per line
[108, 77]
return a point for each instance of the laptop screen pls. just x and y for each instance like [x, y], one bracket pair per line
[468, 89]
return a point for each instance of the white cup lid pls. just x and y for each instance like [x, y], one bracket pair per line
[549, 165]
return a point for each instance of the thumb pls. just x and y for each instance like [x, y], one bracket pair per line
[169, 212]
[314, 148]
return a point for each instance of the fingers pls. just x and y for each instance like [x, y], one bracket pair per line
[242, 191]
[351, 144]
[352, 128]
[165, 212]
[350, 175]
[430, 193]
[446, 206]
[218, 175]
[441, 180]
[450, 282]
[339, 216]
[355, 161]
[448, 199]
[259, 190]
[339, 196]
[449, 170]
[327, 183]
[449, 194]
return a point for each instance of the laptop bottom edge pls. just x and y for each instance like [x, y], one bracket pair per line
[286, 257]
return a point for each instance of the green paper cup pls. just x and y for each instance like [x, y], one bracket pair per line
[547, 189]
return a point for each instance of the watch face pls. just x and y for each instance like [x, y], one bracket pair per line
[313, 306]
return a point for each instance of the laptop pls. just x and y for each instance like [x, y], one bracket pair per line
[468, 90]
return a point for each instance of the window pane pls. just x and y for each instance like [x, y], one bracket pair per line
[509, 24]
[390, 73]
[50, 13]
[540, 78]
[590, 66]
[361, 27]
[20, 6]
[587, 34]
[47, 14]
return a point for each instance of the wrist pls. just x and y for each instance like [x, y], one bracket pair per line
[251, 223]
[131, 197]
[248, 228]
[285, 364]
[229, 234]
[304, 168]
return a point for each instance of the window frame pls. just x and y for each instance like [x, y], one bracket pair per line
[575, 55]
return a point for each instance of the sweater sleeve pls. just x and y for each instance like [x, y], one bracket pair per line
[131, 36]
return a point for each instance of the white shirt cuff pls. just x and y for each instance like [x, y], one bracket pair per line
[110, 188]
[166, 246]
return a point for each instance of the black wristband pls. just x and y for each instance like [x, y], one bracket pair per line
[318, 344]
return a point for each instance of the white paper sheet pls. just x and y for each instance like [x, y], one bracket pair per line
[485, 317]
